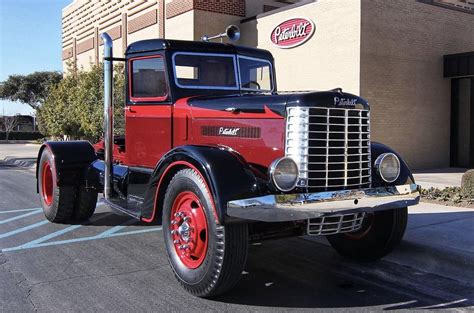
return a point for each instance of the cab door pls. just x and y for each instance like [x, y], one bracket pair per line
[148, 112]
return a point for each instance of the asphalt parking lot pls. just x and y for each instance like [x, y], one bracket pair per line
[112, 263]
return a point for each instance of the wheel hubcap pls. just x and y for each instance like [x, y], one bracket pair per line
[47, 183]
[188, 228]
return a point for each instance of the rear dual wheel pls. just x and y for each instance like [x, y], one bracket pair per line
[62, 203]
[207, 258]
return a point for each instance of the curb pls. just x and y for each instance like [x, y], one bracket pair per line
[28, 163]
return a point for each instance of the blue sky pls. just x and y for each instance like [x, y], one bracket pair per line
[30, 40]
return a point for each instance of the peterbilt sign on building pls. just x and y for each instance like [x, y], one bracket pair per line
[292, 32]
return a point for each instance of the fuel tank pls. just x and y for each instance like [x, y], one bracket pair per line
[251, 124]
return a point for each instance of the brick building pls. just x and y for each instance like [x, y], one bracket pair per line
[412, 59]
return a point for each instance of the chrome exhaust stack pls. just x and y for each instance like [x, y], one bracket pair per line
[108, 114]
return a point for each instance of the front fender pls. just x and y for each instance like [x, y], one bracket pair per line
[405, 177]
[226, 173]
[69, 158]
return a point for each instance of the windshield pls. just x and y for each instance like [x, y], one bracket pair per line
[204, 71]
[219, 71]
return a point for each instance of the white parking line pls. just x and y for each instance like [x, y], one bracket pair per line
[20, 216]
[19, 210]
[23, 229]
[40, 242]
[50, 236]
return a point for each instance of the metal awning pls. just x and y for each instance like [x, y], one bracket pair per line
[459, 65]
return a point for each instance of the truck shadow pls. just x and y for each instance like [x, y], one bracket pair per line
[303, 273]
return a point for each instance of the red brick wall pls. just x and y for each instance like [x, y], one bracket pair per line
[231, 7]
[67, 53]
[85, 45]
[177, 7]
[142, 21]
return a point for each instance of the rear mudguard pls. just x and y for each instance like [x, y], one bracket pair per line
[405, 176]
[70, 158]
[226, 174]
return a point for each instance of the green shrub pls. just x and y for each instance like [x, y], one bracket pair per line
[467, 184]
[74, 106]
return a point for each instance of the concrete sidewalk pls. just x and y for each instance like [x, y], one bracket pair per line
[16, 154]
[439, 178]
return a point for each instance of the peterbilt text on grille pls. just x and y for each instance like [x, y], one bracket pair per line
[217, 155]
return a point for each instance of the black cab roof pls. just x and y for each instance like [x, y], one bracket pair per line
[150, 45]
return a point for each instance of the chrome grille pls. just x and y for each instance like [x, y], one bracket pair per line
[331, 147]
[335, 224]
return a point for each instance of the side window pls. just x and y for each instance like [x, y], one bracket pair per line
[147, 79]
[255, 74]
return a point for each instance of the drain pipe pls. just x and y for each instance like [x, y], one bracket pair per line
[108, 115]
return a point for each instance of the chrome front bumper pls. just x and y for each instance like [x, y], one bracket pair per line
[280, 208]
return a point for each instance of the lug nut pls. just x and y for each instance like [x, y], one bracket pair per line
[176, 241]
[187, 219]
[174, 232]
[174, 222]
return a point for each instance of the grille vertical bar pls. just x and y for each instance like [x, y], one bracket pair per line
[360, 139]
[327, 149]
[346, 131]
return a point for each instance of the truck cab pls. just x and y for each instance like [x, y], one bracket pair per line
[220, 157]
[175, 88]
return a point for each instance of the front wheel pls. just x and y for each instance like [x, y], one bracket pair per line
[380, 233]
[207, 258]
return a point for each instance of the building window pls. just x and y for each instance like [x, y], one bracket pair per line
[148, 79]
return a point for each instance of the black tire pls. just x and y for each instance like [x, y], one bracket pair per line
[227, 245]
[86, 202]
[57, 202]
[381, 232]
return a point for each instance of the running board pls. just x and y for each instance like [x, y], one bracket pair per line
[120, 210]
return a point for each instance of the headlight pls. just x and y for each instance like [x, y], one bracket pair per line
[284, 173]
[387, 166]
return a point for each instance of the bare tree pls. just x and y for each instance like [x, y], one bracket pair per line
[9, 124]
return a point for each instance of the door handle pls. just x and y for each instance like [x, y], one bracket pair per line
[129, 109]
[232, 110]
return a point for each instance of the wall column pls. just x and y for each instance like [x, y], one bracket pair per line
[124, 32]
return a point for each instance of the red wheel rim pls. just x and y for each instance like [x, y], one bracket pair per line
[364, 230]
[47, 183]
[188, 227]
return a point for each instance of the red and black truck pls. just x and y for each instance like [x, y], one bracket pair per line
[217, 155]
